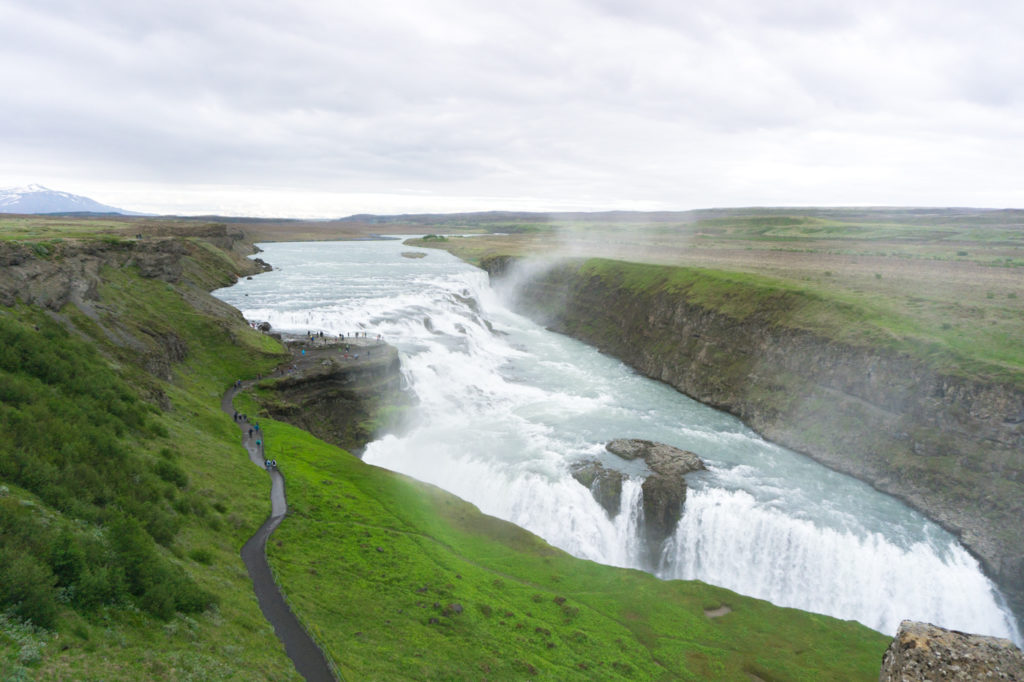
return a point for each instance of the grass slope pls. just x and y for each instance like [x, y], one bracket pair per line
[943, 284]
[508, 605]
[400, 580]
[847, 317]
[134, 489]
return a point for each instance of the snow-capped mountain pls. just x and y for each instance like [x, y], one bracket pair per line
[39, 199]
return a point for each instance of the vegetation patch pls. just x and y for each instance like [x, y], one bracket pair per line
[400, 580]
[124, 493]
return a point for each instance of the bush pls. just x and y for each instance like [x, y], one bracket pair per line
[171, 472]
[67, 559]
[160, 587]
[99, 585]
[27, 588]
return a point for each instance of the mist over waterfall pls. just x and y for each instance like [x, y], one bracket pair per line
[505, 408]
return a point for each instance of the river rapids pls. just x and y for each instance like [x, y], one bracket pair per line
[505, 408]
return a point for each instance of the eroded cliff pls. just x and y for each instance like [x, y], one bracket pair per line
[341, 397]
[952, 446]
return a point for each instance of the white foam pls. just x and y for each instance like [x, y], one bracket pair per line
[502, 415]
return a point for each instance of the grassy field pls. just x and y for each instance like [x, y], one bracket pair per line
[947, 285]
[400, 580]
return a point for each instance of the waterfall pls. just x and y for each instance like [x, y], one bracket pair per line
[726, 538]
[506, 408]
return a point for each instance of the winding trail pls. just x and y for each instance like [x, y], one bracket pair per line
[309, 660]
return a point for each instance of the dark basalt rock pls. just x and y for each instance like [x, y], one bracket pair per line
[663, 459]
[664, 491]
[663, 499]
[336, 398]
[604, 484]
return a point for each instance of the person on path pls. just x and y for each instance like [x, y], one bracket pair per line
[250, 433]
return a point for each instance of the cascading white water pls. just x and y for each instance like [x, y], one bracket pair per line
[506, 407]
[727, 538]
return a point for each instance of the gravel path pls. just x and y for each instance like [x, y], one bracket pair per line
[309, 660]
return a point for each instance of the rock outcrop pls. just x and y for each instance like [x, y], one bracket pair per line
[664, 491]
[921, 651]
[335, 398]
[663, 459]
[604, 484]
[60, 273]
[53, 274]
[951, 446]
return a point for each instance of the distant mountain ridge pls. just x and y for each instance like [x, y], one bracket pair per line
[39, 199]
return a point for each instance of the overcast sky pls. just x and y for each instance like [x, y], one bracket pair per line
[319, 108]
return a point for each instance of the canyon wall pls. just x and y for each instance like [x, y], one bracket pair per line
[950, 446]
[341, 401]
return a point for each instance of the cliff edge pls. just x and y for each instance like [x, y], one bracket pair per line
[950, 445]
[341, 391]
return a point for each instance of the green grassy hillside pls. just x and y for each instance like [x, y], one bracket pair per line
[126, 496]
[400, 580]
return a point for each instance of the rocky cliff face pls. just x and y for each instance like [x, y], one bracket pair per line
[60, 273]
[52, 274]
[921, 651]
[339, 400]
[950, 446]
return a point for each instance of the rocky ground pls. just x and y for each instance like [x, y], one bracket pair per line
[921, 651]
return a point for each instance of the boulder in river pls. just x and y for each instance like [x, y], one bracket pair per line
[604, 484]
[664, 491]
[663, 499]
[662, 458]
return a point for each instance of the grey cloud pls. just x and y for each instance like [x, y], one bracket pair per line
[655, 101]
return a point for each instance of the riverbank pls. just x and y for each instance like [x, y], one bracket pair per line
[947, 444]
[407, 581]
